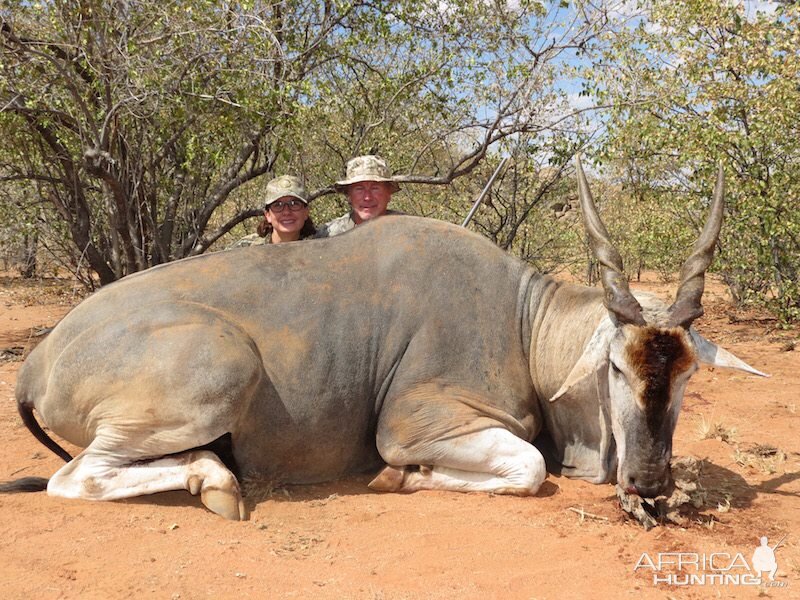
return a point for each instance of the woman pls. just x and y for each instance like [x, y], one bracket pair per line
[285, 212]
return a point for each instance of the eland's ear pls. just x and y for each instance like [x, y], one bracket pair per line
[711, 354]
[593, 360]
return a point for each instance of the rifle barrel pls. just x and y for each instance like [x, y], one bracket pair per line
[484, 192]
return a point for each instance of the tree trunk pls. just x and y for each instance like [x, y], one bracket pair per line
[27, 262]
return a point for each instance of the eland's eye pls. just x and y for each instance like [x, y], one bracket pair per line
[615, 369]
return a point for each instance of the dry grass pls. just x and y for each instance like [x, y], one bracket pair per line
[760, 457]
[34, 292]
[710, 430]
[724, 505]
[257, 489]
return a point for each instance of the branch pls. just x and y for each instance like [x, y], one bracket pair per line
[26, 45]
[205, 242]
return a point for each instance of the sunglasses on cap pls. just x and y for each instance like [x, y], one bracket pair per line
[294, 205]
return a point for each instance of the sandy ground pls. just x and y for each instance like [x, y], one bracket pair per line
[340, 540]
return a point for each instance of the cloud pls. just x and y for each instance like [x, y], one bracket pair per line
[578, 102]
[753, 7]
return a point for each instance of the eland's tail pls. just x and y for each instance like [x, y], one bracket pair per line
[33, 484]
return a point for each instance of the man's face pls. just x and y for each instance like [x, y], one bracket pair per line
[369, 199]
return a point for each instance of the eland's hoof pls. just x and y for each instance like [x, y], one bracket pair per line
[227, 504]
[390, 479]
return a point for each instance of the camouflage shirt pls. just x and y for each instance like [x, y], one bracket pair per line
[249, 240]
[342, 224]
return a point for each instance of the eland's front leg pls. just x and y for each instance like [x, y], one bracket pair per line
[492, 460]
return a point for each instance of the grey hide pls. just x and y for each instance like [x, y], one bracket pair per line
[387, 344]
[416, 322]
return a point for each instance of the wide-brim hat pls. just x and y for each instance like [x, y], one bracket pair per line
[283, 186]
[367, 168]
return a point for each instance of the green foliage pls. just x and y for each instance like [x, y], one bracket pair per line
[532, 209]
[150, 128]
[698, 82]
[649, 228]
[141, 132]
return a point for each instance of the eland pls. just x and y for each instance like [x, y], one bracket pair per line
[408, 346]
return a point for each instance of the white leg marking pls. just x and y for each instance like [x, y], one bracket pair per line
[94, 475]
[494, 460]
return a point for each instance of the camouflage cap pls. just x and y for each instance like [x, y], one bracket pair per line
[285, 185]
[366, 168]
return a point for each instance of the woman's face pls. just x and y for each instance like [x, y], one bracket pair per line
[287, 215]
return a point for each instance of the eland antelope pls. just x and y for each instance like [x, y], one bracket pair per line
[406, 345]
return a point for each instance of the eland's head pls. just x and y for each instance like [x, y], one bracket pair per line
[640, 358]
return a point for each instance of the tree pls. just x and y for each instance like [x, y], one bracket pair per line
[530, 210]
[147, 128]
[19, 234]
[697, 82]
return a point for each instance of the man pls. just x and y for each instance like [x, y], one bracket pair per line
[764, 559]
[369, 186]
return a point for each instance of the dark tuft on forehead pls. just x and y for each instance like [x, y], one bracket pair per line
[657, 356]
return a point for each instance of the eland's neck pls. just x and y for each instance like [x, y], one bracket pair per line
[563, 318]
